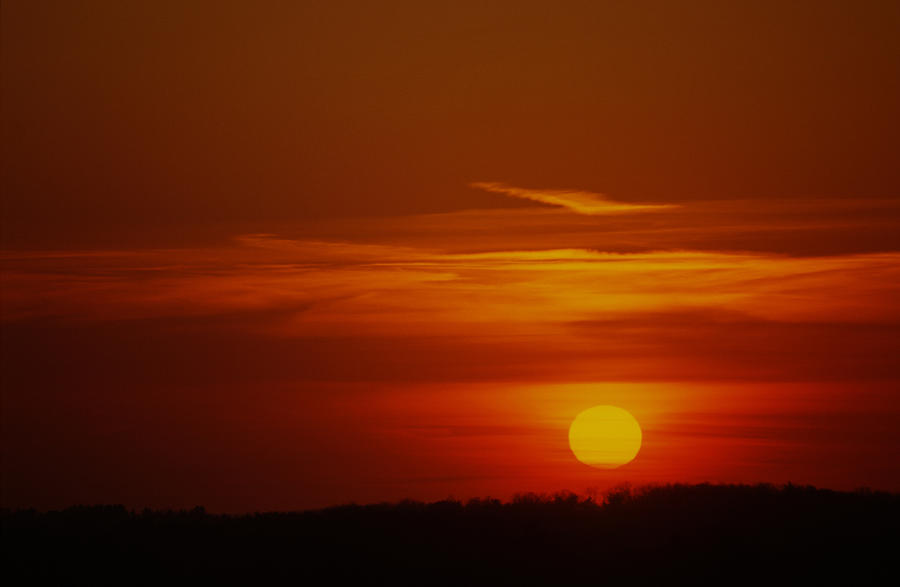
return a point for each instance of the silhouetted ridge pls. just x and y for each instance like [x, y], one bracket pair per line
[725, 534]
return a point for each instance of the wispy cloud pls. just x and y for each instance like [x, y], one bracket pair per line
[577, 201]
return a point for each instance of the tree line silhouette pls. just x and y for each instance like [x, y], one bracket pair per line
[724, 534]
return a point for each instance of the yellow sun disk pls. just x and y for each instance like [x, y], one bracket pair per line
[605, 437]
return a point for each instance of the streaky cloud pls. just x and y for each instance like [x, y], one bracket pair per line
[578, 201]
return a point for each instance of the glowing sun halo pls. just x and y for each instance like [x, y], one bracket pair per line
[605, 437]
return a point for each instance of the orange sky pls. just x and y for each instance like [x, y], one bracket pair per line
[273, 256]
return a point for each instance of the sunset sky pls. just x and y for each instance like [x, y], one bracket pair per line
[283, 255]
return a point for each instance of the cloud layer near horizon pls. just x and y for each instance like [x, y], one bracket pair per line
[506, 279]
[426, 324]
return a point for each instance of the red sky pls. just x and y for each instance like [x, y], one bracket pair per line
[283, 255]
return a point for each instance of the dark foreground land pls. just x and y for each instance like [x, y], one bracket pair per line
[722, 534]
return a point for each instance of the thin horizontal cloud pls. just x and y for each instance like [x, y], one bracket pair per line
[793, 227]
[349, 285]
[580, 202]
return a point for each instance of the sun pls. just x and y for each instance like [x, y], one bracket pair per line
[605, 437]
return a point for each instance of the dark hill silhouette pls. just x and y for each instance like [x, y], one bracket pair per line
[673, 534]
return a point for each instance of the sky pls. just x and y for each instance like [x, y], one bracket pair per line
[280, 255]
